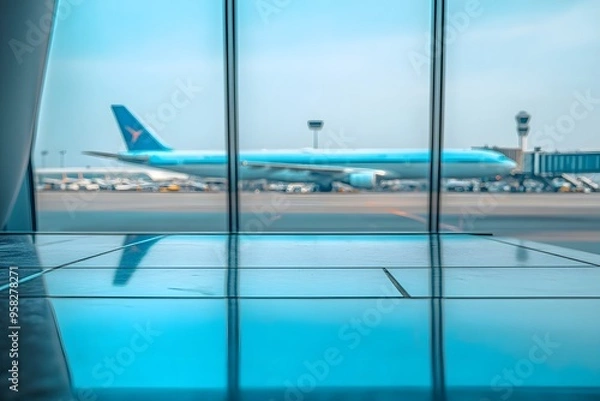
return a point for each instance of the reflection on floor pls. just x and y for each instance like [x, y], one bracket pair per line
[304, 317]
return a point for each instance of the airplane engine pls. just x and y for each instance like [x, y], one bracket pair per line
[362, 180]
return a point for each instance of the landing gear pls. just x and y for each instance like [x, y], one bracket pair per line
[325, 186]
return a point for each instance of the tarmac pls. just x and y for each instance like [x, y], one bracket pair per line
[565, 219]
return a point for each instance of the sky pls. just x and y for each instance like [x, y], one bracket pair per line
[362, 67]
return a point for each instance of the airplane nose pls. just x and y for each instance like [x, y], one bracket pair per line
[510, 165]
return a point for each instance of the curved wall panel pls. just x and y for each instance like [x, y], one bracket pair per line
[24, 35]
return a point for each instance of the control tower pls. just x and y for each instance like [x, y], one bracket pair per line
[522, 131]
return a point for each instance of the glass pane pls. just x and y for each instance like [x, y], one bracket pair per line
[541, 58]
[344, 91]
[136, 87]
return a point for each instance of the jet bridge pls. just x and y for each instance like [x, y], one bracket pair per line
[555, 164]
[571, 166]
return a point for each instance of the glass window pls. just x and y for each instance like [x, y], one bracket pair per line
[333, 111]
[130, 91]
[540, 58]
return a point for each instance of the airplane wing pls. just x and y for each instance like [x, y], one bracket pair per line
[101, 154]
[312, 168]
[122, 157]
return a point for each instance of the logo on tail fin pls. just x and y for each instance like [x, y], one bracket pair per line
[134, 134]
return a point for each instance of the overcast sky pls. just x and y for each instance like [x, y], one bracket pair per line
[361, 66]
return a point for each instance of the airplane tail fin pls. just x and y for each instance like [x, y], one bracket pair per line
[136, 136]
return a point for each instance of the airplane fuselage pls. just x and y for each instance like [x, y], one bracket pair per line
[392, 164]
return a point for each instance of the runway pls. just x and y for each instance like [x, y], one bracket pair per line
[564, 219]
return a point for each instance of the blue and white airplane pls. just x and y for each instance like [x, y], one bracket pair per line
[358, 168]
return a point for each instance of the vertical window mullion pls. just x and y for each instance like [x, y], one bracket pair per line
[437, 114]
[231, 115]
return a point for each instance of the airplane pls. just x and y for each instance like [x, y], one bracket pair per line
[362, 168]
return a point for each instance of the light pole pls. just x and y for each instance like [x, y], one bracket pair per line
[62, 158]
[315, 126]
[44, 154]
[522, 130]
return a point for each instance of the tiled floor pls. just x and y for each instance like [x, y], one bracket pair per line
[305, 317]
